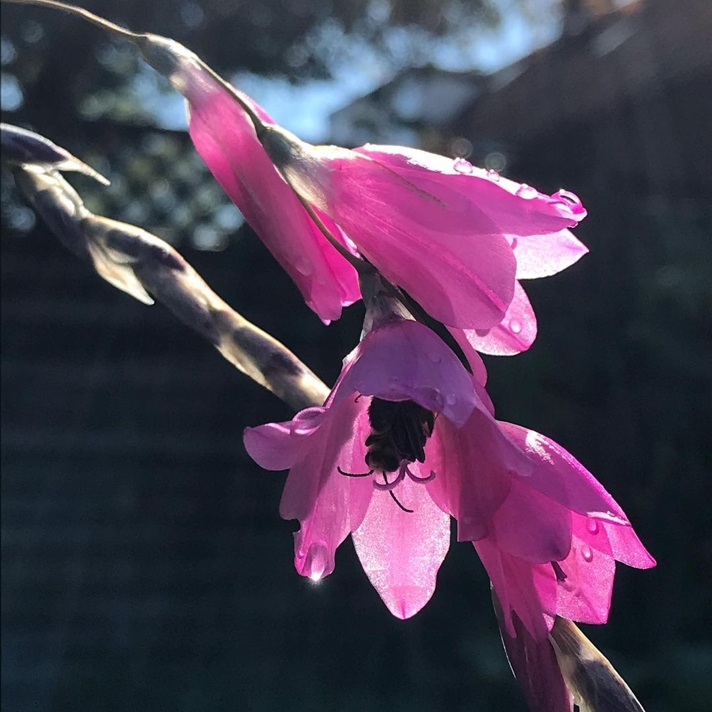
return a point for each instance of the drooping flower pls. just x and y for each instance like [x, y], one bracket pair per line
[455, 237]
[407, 438]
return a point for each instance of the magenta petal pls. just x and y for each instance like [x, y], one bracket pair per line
[406, 360]
[473, 467]
[401, 552]
[276, 446]
[531, 526]
[544, 255]
[520, 588]
[516, 209]
[515, 333]
[339, 442]
[534, 664]
[563, 478]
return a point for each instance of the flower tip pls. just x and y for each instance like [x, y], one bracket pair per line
[316, 563]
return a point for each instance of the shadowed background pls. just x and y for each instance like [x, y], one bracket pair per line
[145, 567]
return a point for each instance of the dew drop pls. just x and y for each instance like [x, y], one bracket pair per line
[526, 191]
[592, 526]
[462, 166]
[493, 175]
[586, 553]
[316, 562]
[565, 196]
[515, 327]
[435, 356]
[451, 399]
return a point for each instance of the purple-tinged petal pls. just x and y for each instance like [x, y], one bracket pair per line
[563, 478]
[533, 662]
[514, 334]
[401, 552]
[531, 526]
[543, 255]
[515, 208]
[406, 360]
[276, 446]
[473, 466]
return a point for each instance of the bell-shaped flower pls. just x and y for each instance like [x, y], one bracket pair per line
[406, 438]
[453, 236]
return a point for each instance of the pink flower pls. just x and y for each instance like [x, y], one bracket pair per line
[406, 438]
[455, 237]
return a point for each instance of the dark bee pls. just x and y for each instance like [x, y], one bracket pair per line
[399, 431]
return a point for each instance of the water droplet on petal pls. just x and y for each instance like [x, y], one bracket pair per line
[592, 526]
[586, 553]
[304, 266]
[462, 166]
[435, 356]
[565, 196]
[515, 326]
[316, 562]
[493, 175]
[526, 191]
[451, 399]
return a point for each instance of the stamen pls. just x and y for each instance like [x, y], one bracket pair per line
[420, 480]
[354, 474]
[388, 486]
[559, 572]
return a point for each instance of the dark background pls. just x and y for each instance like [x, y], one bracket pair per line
[145, 567]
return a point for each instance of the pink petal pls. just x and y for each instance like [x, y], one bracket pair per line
[531, 526]
[406, 360]
[515, 333]
[225, 138]
[544, 255]
[534, 664]
[585, 596]
[563, 478]
[515, 208]
[617, 541]
[520, 588]
[473, 466]
[401, 552]
[276, 446]
[329, 505]
[338, 441]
